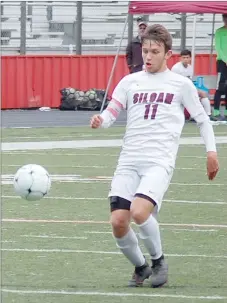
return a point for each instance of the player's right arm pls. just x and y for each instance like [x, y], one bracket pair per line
[118, 102]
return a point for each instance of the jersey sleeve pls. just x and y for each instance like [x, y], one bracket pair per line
[117, 103]
[192, 102]
[120, 93]
[193, 105]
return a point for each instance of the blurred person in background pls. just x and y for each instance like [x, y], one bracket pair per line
[184, 68]
[221, 49]
[134, 49]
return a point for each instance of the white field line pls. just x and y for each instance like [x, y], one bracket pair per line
[191, 230]
[107, 233]
[91, 181]
[90, 143]
[163, 228]
[60, 154]
[8, 241]
[53, 237]
[67, 136]
[107, 182]
[24, 152]
[197, 157]
[8, 179]
[97, 252]
[19, 220]
[97, 166]
[60, 198]
[109, 294]
[66, 166]
[105, 198]
[94, 135]
[15, 127]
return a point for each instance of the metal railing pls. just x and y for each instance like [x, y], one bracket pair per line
[83, 27]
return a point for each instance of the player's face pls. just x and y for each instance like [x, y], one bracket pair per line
[185, 60]
[154, 56]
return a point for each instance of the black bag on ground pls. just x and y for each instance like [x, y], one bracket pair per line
[68, 99]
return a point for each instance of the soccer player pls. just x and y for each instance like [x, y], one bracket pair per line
[184, 68]
[155, 101]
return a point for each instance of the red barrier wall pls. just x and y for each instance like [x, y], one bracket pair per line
[35, 81]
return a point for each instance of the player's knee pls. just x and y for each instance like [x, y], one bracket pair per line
[120, 220]
[141, 209]
[139, 215]
[202, 94]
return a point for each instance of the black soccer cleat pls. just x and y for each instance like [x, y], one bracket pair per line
[140, 274]
[159, 272]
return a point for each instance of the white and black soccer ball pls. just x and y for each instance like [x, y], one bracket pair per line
[71, 92]
[91, 94]
[79, 95]
[32, 182]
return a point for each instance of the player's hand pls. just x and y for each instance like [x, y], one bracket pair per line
[96, 121]
[212, 165]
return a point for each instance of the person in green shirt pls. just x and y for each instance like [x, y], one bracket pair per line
[221, 49]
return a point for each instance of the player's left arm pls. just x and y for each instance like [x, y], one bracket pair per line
[193, 105]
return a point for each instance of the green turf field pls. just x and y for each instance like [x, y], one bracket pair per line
[60, 249]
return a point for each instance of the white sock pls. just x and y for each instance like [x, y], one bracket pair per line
[150, 233]
[206, 104]
[130, 248]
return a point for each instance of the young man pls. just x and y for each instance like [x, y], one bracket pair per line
[155, 101]
[184, 68]
[221, 49]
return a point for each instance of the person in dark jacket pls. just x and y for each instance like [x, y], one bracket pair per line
[134, 50]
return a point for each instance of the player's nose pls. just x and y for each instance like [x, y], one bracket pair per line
[149, 57]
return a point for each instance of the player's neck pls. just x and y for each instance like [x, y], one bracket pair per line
[162, 70]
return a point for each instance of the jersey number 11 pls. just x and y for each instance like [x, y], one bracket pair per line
[150, 110]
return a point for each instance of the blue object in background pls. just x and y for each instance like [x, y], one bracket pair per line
[199, 84]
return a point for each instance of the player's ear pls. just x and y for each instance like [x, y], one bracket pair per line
[169, 54]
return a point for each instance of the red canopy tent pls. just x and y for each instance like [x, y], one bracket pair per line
[150, 7]
[197, 7]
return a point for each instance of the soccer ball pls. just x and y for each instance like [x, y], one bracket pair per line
[32, 182]
[79, 95]
[91, 94]
[71, 92]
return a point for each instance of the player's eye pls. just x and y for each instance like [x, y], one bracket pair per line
[145, 51]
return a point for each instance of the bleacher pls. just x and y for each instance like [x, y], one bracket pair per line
[50, 27]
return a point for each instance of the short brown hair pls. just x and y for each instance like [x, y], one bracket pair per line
[159, 34]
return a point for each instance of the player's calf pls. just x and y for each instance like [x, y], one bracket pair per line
[126, 238]
[141, 210]
[205, 102]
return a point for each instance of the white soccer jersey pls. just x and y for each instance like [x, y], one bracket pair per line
[155, 116]
[180, 69]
